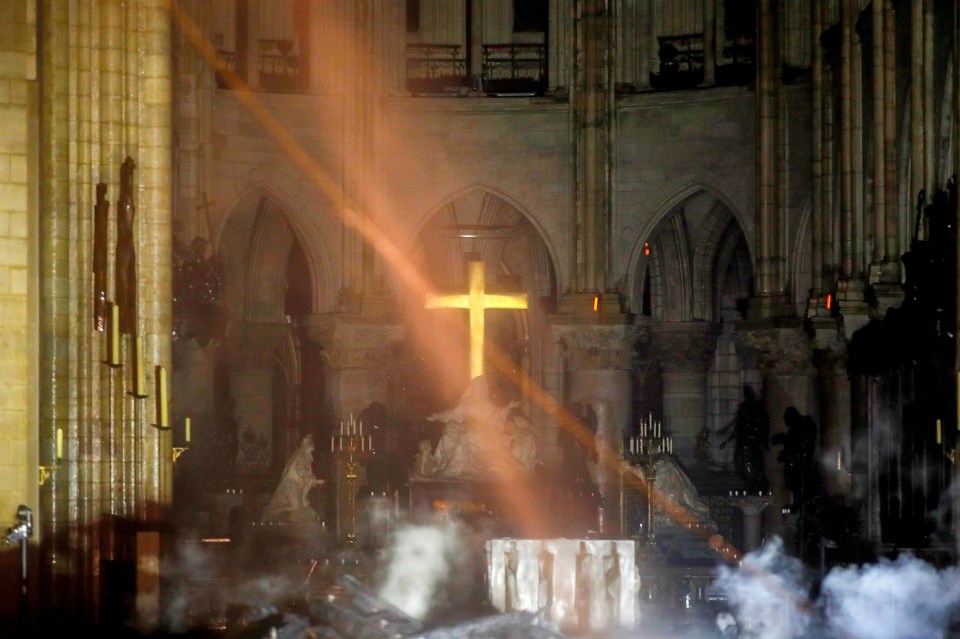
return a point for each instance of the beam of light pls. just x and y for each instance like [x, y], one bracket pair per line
[408, 276]
[348, 208]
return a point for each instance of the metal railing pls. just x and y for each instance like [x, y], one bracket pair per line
[436, 68]
[514, 68]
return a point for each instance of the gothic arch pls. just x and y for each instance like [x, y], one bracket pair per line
[480, 222]
[546, 255]
[685, 255]
[248, 245]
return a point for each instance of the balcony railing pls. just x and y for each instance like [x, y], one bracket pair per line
[226, 60]
[681, 62]
[280, 70]
[514, 69]
[436, 69]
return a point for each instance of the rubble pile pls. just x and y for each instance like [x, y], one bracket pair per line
[349, 610]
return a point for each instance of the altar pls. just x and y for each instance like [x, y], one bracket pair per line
[581, 585]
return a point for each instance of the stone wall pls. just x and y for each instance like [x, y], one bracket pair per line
[18, 284]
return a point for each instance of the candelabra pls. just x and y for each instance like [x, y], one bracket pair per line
[351, 447]
[644, 450]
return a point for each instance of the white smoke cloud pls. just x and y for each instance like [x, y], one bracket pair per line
[899, 599]
[421, 561]
[906, 598]
[769, 593]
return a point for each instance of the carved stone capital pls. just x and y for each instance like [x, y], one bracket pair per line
[351, 342]
[831, 362]
[598, 346]
[775, 349]
[683, 347]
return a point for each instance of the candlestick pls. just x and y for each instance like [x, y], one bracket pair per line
[138, 368]
[113, 337]
[59, 444]
[186, 427]
[161, 375]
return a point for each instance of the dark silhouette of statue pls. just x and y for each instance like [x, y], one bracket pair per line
[126, 264]
[751, 436]
[101, 215]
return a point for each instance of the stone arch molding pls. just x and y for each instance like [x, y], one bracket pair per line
[254, 250]
[549, 260]
[693, 235]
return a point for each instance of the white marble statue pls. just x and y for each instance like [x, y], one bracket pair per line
[290, 499]
[480, 440]
[677, 501]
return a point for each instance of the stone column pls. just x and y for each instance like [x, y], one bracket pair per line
[752, 507]
[836, 445]
[591, 127]
[890, 137]
[785, 359]
[815, 305]
[685, 350]
[354, 351]
[709, 42]
[114, 463]
[850, 286]
[768, 215]
[251, 354]
[598, 373]
[884, 271]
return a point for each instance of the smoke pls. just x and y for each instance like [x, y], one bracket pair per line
[769, 593]
[421, 561]
[200, 593]
[906, 598]
[902, 598]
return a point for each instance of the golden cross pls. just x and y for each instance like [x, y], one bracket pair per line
[477, 301]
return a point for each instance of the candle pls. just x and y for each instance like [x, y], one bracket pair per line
[59, 444]
[361, 427]
[113, 352]
[186, 425]
[161, 375]
[362, 444]
[839, 459]
[138, 367]
[370, 443]
[939, 433]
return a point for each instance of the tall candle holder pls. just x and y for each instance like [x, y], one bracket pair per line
[645, 449]
[351, 447]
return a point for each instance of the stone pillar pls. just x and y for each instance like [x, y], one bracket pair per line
[251, 355]
[685, 350]
[769, 262]
[752, 507]
[836, 445]
[885, 269]
[355, 350]
[598, 373]
[785, 359]
[591, 124]
[709, 42]
[114, 463]
[815, 304]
